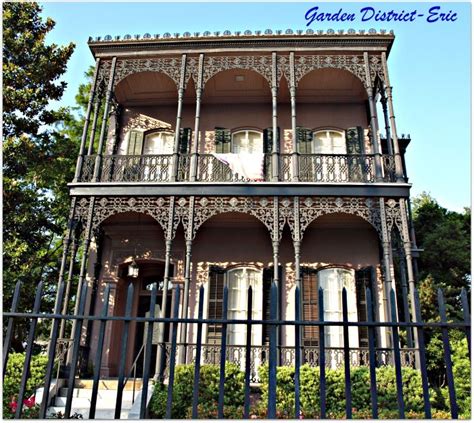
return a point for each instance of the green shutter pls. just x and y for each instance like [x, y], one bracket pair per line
[267, 284]
[310, 306]
[135, 143]
[222, 139]
[268, 140]
[355, 146]
[304, 140]
[363, 279]
[354, 140]
[216, 295]
[184, 140]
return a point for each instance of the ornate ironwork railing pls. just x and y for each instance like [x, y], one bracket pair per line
[318, 168]
[184, 165]
[388, 164]
[259, 355]
[336, 168]
[146, 168]
[285, 167]
[87, 172]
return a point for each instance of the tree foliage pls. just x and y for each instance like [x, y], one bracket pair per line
[445, 262]
[38, 158]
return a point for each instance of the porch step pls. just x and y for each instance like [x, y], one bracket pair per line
[101, 394]
[106, 398]
[82, 400]
[107, 384]
[100, 414]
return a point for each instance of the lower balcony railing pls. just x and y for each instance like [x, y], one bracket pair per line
[211, 354]
[318, 168]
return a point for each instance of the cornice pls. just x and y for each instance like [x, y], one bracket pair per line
[350, 40]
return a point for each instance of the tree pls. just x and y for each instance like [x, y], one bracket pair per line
[38, 159]
[445, 263]
[445, 237]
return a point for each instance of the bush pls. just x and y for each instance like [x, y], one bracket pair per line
[462, 377]
[335, 392]
[208, 393]
[462, 383]
[12, 380]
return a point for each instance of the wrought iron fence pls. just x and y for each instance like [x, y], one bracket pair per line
[273, 354]
[320, 168]
[334, 357]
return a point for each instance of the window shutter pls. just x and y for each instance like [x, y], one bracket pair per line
[184, 140]
[222, 139]
[216, 295]
[363, 279]
[135, 143]
[354, 140]
[309, 284]
[354, 145]
[268, 140]
[267, 284]
[304, 140]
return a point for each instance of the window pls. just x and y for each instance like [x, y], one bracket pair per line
[238, 142]
[247, 142]
[161, 142]
[332, 281]
[238, 281]
[329, 142]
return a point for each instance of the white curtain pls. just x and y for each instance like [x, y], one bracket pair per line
[159, 143]
[239, 281]
[332, 281]
[247, 142]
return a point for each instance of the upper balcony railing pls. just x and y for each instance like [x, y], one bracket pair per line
[317, 168]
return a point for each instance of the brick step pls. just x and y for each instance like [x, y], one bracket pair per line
[107, 384]
[82, 402]
[101, 394]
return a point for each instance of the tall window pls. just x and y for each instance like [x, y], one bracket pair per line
[332, 281]
[238, 281]
[247, 142]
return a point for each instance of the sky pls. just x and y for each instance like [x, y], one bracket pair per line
[429, 66]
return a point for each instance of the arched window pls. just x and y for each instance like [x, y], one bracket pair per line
[247, 142]
[238, 280]
[332, 281]
[155, 142]
[329, 142]
[159, 142]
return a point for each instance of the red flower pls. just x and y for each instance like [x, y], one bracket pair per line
[13, 404]
[30, 402]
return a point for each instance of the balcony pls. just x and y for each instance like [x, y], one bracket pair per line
[314, 168]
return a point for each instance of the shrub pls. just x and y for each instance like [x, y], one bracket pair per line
[12, 380]
[208, 393]
[462, 377]
[335, 392]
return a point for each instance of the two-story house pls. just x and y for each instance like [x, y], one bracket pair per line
[240, 159]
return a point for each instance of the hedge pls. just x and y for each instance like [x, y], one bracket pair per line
[12, 380]
[208, 393]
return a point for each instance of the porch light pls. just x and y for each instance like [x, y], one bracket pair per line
[133, 269]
